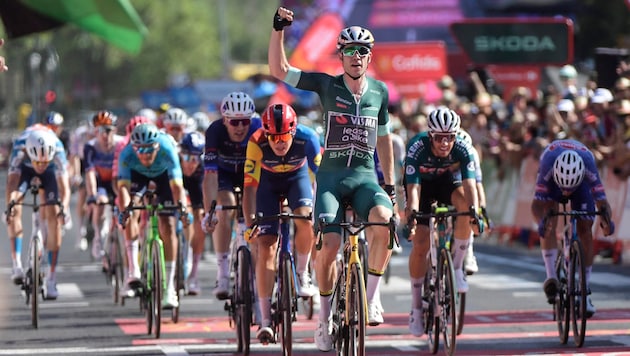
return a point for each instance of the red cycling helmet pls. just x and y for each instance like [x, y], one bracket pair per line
[135, 121]
[279, 119]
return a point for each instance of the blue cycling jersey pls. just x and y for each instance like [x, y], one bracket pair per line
[167, 160]
[223, 154]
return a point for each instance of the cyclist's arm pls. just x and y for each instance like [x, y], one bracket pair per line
[13, 179]
[249, 204]
[124, 195]
[252, 171]
[178, 191]
[413, 198]
[63, 182]
[276, 55]
[470, 192]
[210, 188]
[385, 152]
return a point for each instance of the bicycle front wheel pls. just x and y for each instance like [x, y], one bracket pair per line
[461, 311]
[286, 303]
[156, 289]
[357, 313]
[446, 290]
[35, 283]
[116, 264]
[244, 299]
[577, 292]
[561, 305]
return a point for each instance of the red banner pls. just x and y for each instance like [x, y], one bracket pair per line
[319, 41]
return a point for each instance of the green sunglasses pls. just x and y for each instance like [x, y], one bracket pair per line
[352, 50]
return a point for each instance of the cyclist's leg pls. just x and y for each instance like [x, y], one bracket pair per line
[197, 237]
[167, 227]
[583, 200]
[548, 245]
[462, 229]
[300, 199]
[98, 221]
[221, 238]
[14, 226]
[54, 226]
[132, 233]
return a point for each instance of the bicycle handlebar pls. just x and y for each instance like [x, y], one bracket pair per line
[576, 213]
[355, 227]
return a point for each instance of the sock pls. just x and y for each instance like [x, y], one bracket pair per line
[324, 306]
[587, 277]
[52, 263]
[195, 264]
[549, 257]
[373, 282]
[170, 272]
[223, 264]
[264, 303]
[459, 252]
[302, 262]
[416, 292]
[133, 252]
[17, 260]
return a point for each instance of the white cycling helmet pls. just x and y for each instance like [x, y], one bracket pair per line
[41, 145]
[568, 170]
[443, 120]
[355, 35]
[238, 105]
[202, 119]
[148, 113]
[176, 116]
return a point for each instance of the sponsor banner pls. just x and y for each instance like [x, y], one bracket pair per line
[410, 61]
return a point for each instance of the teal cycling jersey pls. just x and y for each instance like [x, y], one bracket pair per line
[167, 160]
[351, 125]
[422, 164]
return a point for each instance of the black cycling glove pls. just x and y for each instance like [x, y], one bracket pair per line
[280, 23]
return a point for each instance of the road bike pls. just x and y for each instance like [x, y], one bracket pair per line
[153, 281]
[240, 303]
[569, 309]
[284, 305]
[349, 299]
[34, 277]
[443, 306]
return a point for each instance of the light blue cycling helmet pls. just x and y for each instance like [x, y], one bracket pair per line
[145, 134]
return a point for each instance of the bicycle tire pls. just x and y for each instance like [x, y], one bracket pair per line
[431, 321]
[338, 306]
[364, 254]
[461, 311]
[356, 304]
[146, 297]
[35, 284]
[179, 276]
[578, 292]
[244, 299]
[447, 290]
[286, 302]
[561, 306]
[157, 288]
[116, 265]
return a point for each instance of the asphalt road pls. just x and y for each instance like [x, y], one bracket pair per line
[507, 313]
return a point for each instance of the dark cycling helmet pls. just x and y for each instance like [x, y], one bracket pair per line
[443, 120]
[568, 170]
[104, 118]
[54, 118]
[135, 121]
[194, 143]
[279, 119]
[145, 134]
[355, 35]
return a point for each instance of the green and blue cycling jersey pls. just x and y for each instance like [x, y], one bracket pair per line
[351, 128]
[421, 164]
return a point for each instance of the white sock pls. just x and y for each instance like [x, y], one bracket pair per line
[170, 272]
[459, 252]
[302, 262]
[223, 264]
[264, 303]
[133, 252]
[373, 282]
[324, 306]
[549, 257]
[416, 292]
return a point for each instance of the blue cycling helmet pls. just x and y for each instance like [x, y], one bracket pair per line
[145, 134]
[54, 118]
[194, 143]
